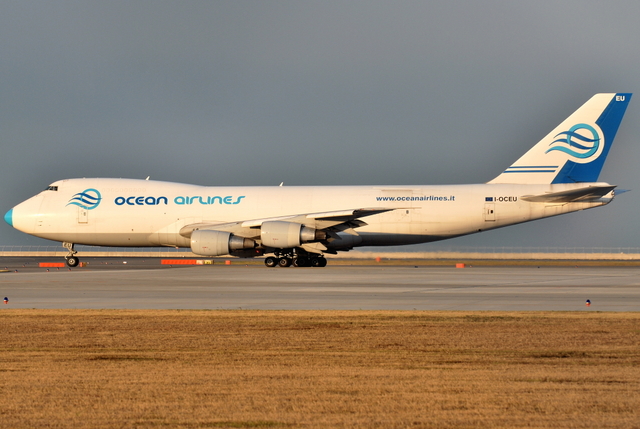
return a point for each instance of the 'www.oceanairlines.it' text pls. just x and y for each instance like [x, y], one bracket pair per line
[420, 198]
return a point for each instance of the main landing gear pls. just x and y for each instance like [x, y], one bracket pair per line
[72, 260]
[297, 260]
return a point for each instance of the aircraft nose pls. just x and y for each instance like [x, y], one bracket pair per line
[8, 217]
[23, 216]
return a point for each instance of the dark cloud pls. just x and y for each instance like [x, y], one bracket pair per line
[252, 93]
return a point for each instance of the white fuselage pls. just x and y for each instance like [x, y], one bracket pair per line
[144, 213]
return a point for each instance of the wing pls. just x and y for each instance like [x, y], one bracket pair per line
[329, 224]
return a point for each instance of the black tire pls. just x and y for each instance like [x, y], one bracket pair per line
[72, 261]
[323, 262]
[271, 262]
[315, 262]
[301, 262]
[284, 262]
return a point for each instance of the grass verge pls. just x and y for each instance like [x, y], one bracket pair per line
[272, 369]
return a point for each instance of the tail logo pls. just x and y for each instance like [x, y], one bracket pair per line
[88, 199]
[582, 143]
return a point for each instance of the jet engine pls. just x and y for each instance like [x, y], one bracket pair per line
[283, 235]
[217, 243]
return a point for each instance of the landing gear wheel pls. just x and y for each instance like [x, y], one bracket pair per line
[318, 262]
[301, 262]
[72, 261]
[271, 262]
[284, 262]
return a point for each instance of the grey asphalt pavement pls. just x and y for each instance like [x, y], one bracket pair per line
[144, 284]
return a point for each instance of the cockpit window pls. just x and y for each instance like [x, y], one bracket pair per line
[52, 188]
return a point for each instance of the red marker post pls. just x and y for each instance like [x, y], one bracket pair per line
[6, 300]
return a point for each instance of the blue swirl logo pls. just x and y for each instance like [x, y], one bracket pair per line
[88, 199]
[579, 145]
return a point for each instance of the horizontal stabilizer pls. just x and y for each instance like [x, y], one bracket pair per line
[585, 194]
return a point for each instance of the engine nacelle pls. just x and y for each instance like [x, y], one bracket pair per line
[217, 243]
[283, 235]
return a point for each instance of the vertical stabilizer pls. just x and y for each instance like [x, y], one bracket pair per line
[576, 149]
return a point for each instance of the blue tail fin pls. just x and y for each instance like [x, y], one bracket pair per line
[575, 150]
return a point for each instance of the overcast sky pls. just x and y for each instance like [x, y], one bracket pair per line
[314, 93]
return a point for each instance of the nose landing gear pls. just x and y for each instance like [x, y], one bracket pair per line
[72, 260]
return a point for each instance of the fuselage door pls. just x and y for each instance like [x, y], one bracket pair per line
[489, 212]
[83, 215]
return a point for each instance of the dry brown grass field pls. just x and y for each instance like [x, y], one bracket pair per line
[310, 369]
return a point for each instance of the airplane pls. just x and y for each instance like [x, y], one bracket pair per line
[299, 225]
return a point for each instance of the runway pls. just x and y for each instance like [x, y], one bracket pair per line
[144, 284]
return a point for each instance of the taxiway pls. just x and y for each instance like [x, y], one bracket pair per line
[144, 284]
